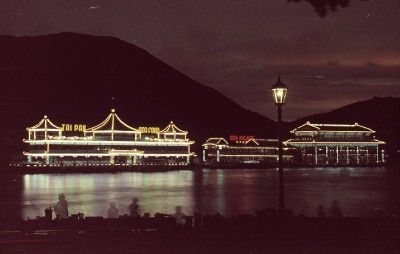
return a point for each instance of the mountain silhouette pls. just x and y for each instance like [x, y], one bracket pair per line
[73, 78]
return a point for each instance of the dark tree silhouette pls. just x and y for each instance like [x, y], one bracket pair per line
[322, 7]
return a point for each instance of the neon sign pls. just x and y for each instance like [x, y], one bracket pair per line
[152, 130]
[240, 138]
[73, 127]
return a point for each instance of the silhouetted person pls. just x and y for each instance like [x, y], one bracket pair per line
[112, 211]
[48, 213]
[81, 216]
[335, 209]
[134, 208]
[61, 208]
[321, 212]
[179, 215]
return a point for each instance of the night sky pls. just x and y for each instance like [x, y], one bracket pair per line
[238, 47]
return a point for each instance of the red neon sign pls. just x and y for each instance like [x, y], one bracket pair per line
[240, 138]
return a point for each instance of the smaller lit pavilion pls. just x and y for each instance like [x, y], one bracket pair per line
[336, 144]
[43, 129]
[171, 132]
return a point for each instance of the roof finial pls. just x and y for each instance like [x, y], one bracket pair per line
[113, 104]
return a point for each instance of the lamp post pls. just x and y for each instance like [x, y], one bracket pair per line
[279, 91]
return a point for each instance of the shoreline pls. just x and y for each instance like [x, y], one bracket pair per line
[154, 168]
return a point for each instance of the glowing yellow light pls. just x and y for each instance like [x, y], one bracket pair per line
[173, 137]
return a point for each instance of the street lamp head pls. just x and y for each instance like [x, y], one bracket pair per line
[279, 91]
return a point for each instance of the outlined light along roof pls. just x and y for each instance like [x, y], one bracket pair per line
[262, 142]
[172, 129]
[216, 141]
[312, 127]
[113, 124]
[44, 125]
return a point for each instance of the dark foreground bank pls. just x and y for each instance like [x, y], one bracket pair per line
[263, 233]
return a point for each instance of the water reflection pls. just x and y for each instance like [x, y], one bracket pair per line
[360, 191]
[91, 193]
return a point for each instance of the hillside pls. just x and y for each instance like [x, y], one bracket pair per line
[72, 78]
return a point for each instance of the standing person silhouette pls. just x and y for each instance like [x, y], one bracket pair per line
[134, 208]
[61, 208]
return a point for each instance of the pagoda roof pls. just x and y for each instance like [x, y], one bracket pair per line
[45, 125]
[216, 141]
[113, 124]
[314, 127]
[172, 129]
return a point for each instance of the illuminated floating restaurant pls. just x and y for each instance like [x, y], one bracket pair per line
[243, 150]
[111, 142]
[336, 144]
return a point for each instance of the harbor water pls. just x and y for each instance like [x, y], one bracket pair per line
[359, 192]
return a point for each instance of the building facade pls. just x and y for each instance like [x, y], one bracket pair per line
[251, 151]
[111, 142]
[336, 145]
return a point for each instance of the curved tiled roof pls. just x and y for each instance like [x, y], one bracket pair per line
[45, 124]
[172, 129]
[112, 123]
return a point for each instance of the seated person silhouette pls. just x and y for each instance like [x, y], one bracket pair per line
[61, 208]
[112, 211]
[179, 215]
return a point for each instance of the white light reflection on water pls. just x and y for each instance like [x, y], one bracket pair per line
[359, 191]
[91, 193]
